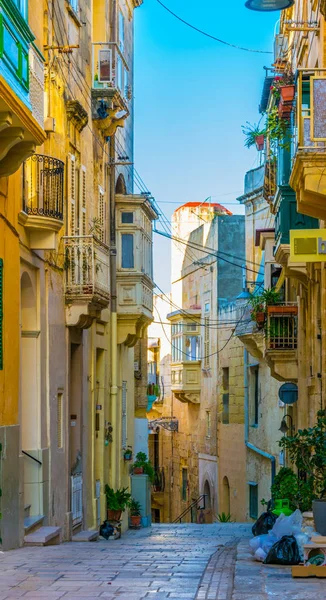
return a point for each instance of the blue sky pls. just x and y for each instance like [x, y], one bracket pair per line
[192, 95]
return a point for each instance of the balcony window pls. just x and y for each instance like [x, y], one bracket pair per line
[185, 346]
[121, 31]
[127, 218]
[74, 5]
[127, 251]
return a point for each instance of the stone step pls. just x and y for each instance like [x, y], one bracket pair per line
[43, 536]
[90, 535]
[27, 509]
[32, 523]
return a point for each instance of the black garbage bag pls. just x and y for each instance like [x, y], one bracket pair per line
[106, 530]
[264, 523]
[284, 552]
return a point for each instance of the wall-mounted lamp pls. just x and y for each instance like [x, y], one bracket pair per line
[284, 426]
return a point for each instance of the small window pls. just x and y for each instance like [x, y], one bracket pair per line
[127, 249]
[121, 31]
[208, 424]
[226, 409]
[207, 307]
[254, 395]
[191, 326]
[59, 420]
[127, 217]
[253, 500]
[184, 484]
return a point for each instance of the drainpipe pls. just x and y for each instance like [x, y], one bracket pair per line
[246, 411]
[114, 333]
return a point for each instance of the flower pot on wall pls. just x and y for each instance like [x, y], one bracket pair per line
[260, 142]
[260, 319]
[319, 511]
[287, 93]
[284, 110]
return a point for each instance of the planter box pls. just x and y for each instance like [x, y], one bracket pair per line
[287, 93]
[282, 310]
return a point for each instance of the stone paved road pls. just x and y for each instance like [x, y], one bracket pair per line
[165, 562]
[185, 562]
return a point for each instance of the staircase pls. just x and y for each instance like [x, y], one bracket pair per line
[191, 507]
[36, 534]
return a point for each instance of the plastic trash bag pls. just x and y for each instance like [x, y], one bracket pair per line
[260, 555]
[255, 543]
[106, 530]
[284, 552]
[262, 542]
[302, 539]
[291, 525]
[264, 523]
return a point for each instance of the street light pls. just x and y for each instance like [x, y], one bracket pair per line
[284, 427]
[269, 5]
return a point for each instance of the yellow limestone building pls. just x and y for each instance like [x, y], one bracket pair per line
[75, 266]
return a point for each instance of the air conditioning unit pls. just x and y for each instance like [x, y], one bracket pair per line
[281, 46]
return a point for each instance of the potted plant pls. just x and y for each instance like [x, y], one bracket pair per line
[307, 451]
[135, 512]
[255, 136]
[258, 312]
[285, 488]
[116, 502]
[143, 466]
[127, 455]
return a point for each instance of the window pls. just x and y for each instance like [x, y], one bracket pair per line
[74, 4]
[1, 314]
[185, 346]
[254, 395]
[208, 424]
[59, 420]
[127, 250]
[127, 217]
[121, 31]
[184, 484]
[124, 415]
[253, 500]
[207, 307]
[206, 344]
[226, 396]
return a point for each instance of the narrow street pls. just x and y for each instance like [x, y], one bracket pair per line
[186, 562]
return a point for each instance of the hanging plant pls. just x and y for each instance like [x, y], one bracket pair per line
[255, 136]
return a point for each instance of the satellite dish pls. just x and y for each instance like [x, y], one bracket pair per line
[288, 393]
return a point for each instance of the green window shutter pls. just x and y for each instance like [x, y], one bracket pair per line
[1, 314]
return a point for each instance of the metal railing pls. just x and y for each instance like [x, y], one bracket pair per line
[159, 480]
[77, 499]
[32, 457]
[87, 267]
[191, 507]
[110, 68]
[43, 186]
[281, 332]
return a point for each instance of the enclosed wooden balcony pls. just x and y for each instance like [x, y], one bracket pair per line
[282, 341]
[308, 177]
[87, 279]
[43, 189]
[111, 89]
[186, 365]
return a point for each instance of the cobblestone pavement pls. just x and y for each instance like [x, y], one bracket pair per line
[166, 562]
[185, 562]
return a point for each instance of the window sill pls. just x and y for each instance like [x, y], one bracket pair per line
[73, 14]
[254, 426]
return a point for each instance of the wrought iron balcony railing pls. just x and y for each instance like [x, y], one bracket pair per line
[87, 269]
[43, 186]
[281, 331]
[110, 69]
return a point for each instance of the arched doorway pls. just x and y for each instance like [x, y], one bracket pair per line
[120, 186]
[208, 513]
[30, 394]
[225, 500]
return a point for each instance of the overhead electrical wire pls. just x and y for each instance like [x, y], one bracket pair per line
[212, 36]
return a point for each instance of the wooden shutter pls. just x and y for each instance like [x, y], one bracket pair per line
[82, 200]
[71, 194]
[124, 415]
[206, 344]
[1, 314]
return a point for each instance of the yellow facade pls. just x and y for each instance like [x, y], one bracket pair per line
[67, 387]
